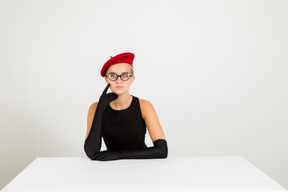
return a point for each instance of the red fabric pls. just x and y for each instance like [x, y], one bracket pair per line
[126, 57]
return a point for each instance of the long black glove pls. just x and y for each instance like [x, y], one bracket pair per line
[92, 143]
[160, 150]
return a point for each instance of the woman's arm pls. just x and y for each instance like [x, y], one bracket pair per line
[92, 143]
[159, 150]
[90, 117]
[151, 119]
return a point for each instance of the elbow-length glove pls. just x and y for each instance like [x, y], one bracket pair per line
[92, 143]
[160, 150]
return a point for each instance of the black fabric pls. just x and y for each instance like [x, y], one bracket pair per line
[92, 143]
[123, 132]
[159, 150]
[124, 129]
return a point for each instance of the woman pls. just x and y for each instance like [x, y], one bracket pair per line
[121, 118]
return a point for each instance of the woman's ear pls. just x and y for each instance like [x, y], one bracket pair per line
[133, 78]
[106, 80]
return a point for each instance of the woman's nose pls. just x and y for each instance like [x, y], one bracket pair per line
[119, 80]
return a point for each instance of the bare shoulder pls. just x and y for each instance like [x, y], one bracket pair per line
[90, 116]
[145, 107]
[151, 119]
[144, 101]
[91, 111]
[93, 106]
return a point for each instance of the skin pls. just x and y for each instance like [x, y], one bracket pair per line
[124, 100]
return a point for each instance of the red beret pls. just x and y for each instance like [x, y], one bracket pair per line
[120, 58]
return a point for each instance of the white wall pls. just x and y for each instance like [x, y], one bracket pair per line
[215, 71]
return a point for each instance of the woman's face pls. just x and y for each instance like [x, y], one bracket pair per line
[119, 86]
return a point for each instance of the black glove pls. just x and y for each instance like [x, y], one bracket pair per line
[160, 150]
[92, 143]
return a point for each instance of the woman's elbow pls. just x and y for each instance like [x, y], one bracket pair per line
[89, 152]
[162, 145]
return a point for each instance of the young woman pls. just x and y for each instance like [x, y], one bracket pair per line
[121, 119]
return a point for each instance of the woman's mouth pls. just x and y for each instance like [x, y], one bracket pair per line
[119, 87]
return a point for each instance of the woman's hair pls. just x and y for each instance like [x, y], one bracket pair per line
[131, 68]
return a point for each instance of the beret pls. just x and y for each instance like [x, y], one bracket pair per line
[126, 57]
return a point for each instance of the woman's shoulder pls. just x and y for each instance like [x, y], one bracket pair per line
[93, 106]
[145, 106]
[144, 102]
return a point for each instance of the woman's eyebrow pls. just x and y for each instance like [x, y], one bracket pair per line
[121, 73]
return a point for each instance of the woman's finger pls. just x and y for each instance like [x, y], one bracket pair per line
[112, 96]
[106, 89]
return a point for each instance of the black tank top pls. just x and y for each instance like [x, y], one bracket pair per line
[124, 129]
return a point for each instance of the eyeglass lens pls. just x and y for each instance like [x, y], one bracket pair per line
[114, 76]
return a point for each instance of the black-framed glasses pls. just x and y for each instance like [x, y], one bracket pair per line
[114, 76]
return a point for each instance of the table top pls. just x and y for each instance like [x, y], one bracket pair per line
[221, 173]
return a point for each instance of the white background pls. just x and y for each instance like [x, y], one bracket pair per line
[215, 71]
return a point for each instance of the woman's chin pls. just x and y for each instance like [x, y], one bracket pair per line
[118, 92]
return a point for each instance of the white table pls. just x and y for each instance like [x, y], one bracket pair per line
[171, 174]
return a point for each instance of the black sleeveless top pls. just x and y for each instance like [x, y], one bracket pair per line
[124, 129]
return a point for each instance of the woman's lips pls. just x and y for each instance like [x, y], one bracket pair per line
[119, 87]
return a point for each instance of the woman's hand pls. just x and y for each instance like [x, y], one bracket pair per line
[105, 98]
[107, 156]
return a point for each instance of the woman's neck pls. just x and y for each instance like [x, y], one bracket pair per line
[122, 101]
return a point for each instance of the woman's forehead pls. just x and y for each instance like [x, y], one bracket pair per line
[119, 68]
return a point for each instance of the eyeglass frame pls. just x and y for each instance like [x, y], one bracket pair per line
[130, 75]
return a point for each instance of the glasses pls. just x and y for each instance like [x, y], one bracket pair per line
[114, 76]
